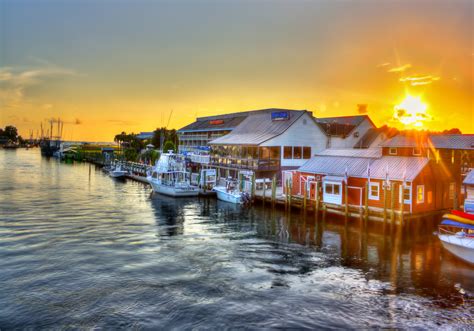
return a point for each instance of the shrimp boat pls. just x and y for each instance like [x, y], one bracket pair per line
[456, 233]
[169, 177]
[230, 192]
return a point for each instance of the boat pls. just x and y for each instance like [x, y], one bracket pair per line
[170, 177]
[456, 216]
[49, 147]
[458, 238]
[118, 172]
[230, 192]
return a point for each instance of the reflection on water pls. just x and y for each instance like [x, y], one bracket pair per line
[79, 249]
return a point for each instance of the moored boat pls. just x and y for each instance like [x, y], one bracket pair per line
[230, 192]
[458, 238]
[169, 177]
[117, 172]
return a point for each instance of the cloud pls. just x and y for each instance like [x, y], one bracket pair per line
[15, 81]
[419, 80]
[400, 68]
[381, 65]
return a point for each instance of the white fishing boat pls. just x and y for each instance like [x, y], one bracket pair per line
[117, 172]
[458, 238]
[231, 192]
[169, 177]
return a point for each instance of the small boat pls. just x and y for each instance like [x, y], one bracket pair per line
[230, 192]
[117, 172]
[457, 238]
[170, 177]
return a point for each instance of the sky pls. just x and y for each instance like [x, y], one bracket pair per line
[106, 66]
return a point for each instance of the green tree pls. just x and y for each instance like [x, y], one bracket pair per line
[10, 132]
[169, 146]
[130, 154]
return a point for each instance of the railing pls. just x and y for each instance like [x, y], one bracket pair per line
[252, 164]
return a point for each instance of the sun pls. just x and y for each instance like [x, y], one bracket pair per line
[412, 112]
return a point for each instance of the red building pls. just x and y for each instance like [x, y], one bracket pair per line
[424, 171]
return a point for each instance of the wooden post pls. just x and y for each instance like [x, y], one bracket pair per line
[346, 200]
[264, 189]
[204, 184]
[366, 212]
[384, 203]
[317, 197]
[290, 194]
[286, 193]
[273, 190]
[402, 205]
[304, 197]
[455, 197]
[253, 186]
[392, 203]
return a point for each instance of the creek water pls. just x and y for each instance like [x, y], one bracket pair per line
[79, 249]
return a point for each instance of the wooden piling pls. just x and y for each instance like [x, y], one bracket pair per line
[346, 200]
[317, 197]
[204, 181]
[392, 203]
[384, 203]
[264, 190]
[366, 211]
[402, 205]
[253, 186]
[304, 199]
[273, 190]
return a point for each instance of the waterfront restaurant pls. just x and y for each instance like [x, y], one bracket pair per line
[379, 175]
[268, 141]
[195, 137]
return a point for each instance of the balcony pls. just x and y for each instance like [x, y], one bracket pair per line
[246, 164]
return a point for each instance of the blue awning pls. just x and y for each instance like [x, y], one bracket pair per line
[457, 224]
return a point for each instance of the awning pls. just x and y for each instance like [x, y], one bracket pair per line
[333, 179]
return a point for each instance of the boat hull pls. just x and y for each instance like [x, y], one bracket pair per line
[174, 191]
[223, 195]
[117, 174]
[459, 246]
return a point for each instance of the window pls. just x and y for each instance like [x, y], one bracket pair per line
[374, 191]
[406, 193]
[392, 151]
[306, 152]
[328, 188]
[451, 190]
[420, 194]
[331, 188]
[416, 151]
[287, 152]
[297, 154]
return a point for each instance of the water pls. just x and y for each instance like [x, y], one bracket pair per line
[81, 250]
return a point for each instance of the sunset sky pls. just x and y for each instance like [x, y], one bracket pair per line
[109, 66]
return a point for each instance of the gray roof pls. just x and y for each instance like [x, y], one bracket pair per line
[453, 141]
[469, 180]
[398, 166]
[258, 127]
[442, 141]
[342, 125]
[230, 121]
[336, 165]
[367, 153]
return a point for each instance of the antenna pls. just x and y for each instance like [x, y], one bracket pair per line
[169, 118]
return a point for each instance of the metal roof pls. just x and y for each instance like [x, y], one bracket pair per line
[367, 153]
[442, 141]
[259, 127]
[469, 180]
[453, 141]
[336, 166]
[342, 125]
[229, 122]
[399, 167]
